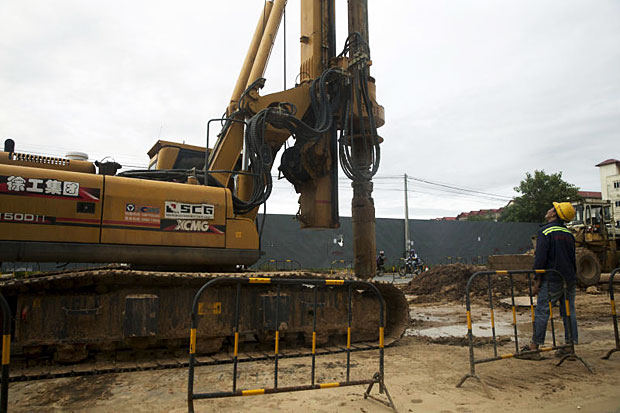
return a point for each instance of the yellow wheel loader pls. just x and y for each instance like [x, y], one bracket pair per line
[595, 238]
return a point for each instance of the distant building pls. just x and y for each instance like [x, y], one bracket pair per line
[610, 185]
[590, 194]
[481, 215]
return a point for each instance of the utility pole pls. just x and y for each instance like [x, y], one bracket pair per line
[406, 218]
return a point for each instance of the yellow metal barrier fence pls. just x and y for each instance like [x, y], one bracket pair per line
[614, 318]
[569, 346]
[378, 377]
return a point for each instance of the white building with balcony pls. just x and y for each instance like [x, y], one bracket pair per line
[610, 185]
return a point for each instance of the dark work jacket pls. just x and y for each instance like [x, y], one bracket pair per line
[555, 249]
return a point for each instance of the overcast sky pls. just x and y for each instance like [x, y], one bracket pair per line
[476, 93]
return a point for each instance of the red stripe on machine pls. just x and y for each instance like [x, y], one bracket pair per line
[132, 224]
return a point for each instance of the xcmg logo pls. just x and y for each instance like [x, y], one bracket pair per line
[192, 225]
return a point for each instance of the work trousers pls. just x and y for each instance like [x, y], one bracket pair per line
[552, 291]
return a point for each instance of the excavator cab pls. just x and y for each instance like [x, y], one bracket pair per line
[172, 155]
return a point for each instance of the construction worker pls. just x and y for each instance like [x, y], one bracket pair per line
[555, 249]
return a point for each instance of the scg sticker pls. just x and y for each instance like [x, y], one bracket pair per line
[181, 210]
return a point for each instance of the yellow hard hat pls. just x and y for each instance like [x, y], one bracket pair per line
[565, 210]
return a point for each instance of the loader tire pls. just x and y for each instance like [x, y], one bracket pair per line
[588, 267]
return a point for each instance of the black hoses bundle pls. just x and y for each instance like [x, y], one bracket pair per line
[326, 95]
[358, 163]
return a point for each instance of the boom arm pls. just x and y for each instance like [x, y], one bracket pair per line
[335, 93]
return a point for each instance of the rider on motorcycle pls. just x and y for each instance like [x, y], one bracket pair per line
[381, 260]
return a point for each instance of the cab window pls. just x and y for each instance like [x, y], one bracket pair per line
[188, 159]
[578, 215]
[153, 163]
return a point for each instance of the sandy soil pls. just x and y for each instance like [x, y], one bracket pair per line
[421, 373]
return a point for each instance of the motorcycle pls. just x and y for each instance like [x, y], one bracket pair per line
[409, 265]
[380, 268]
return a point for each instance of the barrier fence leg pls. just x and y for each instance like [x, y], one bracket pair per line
[349, 317]
[569, 328]
[514, 312]
[236, 344]
[379, 376]
[6, 353]
[277, 339]
[613, 317]
[472, 365]
[473, 375]
[492, 314]
[314, 333]
[190, 386]
[529, 282]
[367, 395]
[4, 402]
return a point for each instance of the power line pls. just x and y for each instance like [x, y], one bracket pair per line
[431, 192]
[446, 191]
[427, 188]
[453, 187]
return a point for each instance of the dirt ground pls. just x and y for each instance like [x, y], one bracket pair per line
[421, 374]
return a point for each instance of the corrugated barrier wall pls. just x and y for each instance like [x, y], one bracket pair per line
[437, 242]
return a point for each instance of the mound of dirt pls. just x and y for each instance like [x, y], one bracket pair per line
[449, 283]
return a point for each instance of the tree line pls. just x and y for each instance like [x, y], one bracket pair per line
[538, 192]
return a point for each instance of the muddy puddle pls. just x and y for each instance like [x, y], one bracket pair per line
[443, 322]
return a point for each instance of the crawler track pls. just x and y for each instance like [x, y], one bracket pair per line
[54, 371]
[85, 316]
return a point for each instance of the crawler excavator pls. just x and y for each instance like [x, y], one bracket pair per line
[165, 231]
